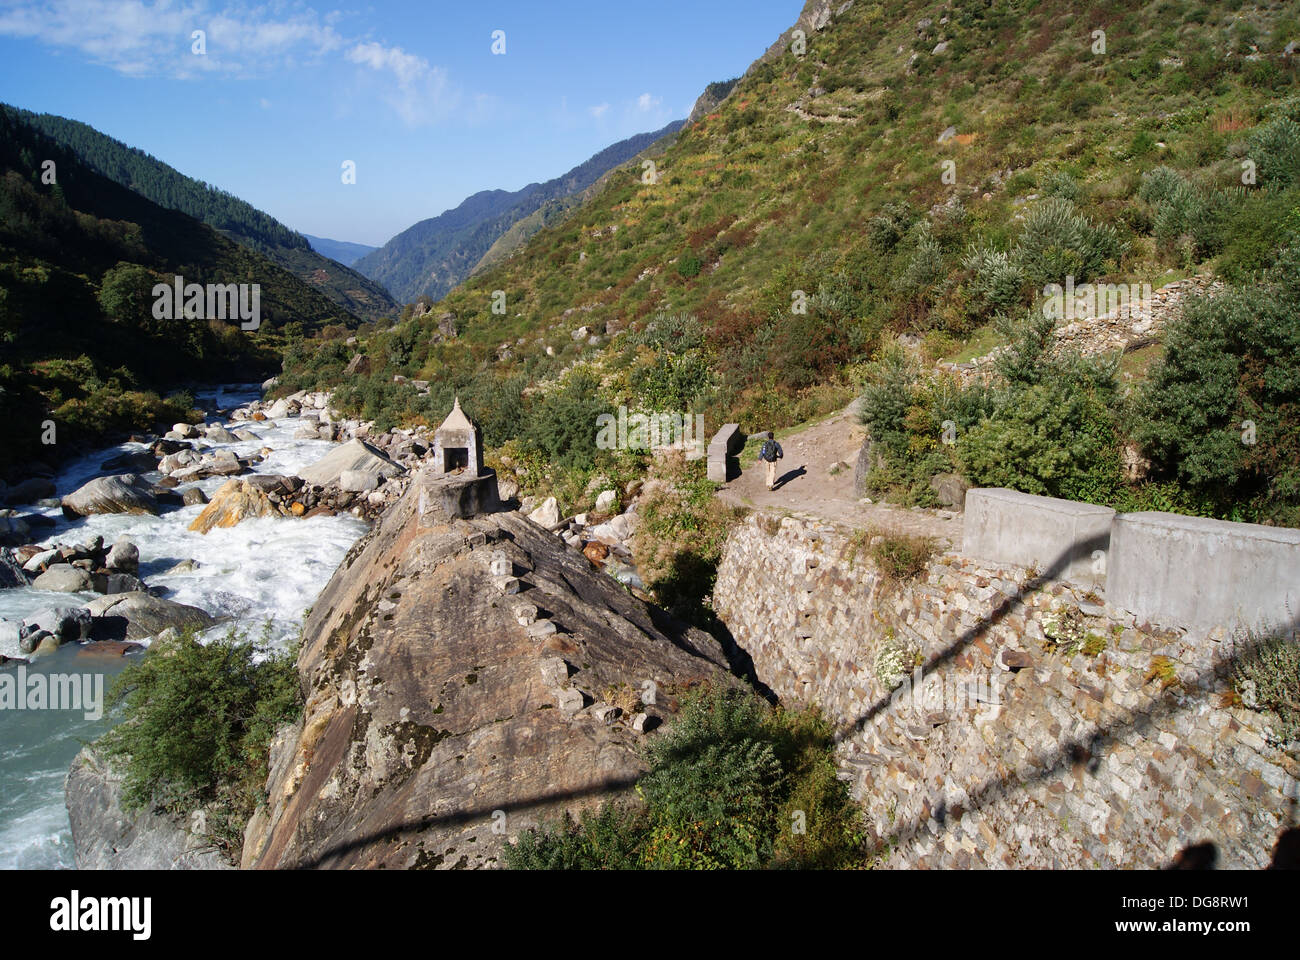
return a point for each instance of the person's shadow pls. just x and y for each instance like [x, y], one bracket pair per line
[786, 477]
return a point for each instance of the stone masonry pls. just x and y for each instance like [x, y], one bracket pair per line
[1008, 748]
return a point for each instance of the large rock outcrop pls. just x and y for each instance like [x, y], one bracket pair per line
[104, 837]
[457, 672]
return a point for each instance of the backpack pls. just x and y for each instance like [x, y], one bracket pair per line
[769, 451]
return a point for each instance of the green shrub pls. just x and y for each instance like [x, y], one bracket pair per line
[607, 840]
[562, 425]
[733, 784]
[1275, 148]
[1267, 676]
[1180, 210]
[889, 226]
[1061, 184]
[997, 283]
[1221, 411]
[197, 727]
[713, 785]
[925, 267]
[1056, 438]
[682, 530]
[902, 556]
[1058, 241]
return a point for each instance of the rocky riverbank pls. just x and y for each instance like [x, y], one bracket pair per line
[126, 546]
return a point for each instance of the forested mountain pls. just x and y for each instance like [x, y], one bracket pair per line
[79, 258]
[343, 251]
[238, 220]
[434, 255]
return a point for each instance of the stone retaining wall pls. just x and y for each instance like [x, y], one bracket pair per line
[1013, 751]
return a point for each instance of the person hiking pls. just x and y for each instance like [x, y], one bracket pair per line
[770, 453]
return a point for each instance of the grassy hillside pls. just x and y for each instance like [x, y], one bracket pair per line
[78, 261]
[236, 219]
[907, 175]
[434, 255]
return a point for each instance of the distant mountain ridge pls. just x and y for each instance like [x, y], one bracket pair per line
[235, 218]
[434, 255]
[344, 251]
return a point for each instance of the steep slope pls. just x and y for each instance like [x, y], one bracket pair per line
[78, 262]
[445, 706]
[434, 255]
[343, 251]
[236, 219]
[831, 200]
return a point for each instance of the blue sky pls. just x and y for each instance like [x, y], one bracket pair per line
[411, 92]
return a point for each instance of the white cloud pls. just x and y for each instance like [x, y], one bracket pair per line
[418, 92]
[153, 38]
[406, 67]
[645, 103]
[599, 110]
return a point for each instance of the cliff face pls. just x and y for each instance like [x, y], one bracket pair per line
[458, 674]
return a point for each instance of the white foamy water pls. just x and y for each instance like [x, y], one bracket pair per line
[259, 570]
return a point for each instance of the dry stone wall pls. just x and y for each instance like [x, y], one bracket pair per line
[974, 739]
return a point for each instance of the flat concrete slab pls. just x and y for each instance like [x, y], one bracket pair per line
[1199, 574]
[1061, 539]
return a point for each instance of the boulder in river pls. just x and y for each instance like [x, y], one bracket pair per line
[236, 500]
[39, 561]
[358, 481]
[69, 624]
[124, 557]
[125, 493]
[133, 461]
[193, 495]
[140, 615]
[28, 491]
[14, 531]
[63, 578]
[353, 455]
[11, 571]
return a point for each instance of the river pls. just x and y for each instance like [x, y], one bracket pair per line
[263, 569]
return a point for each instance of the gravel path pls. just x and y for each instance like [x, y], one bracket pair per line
[810, 485]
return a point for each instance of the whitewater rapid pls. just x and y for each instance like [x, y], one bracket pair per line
[268, 569]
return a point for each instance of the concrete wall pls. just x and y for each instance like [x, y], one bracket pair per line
[1117, 757]
[1190, 573]
[1199, 574]
[726, 443]
[1057, 537]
